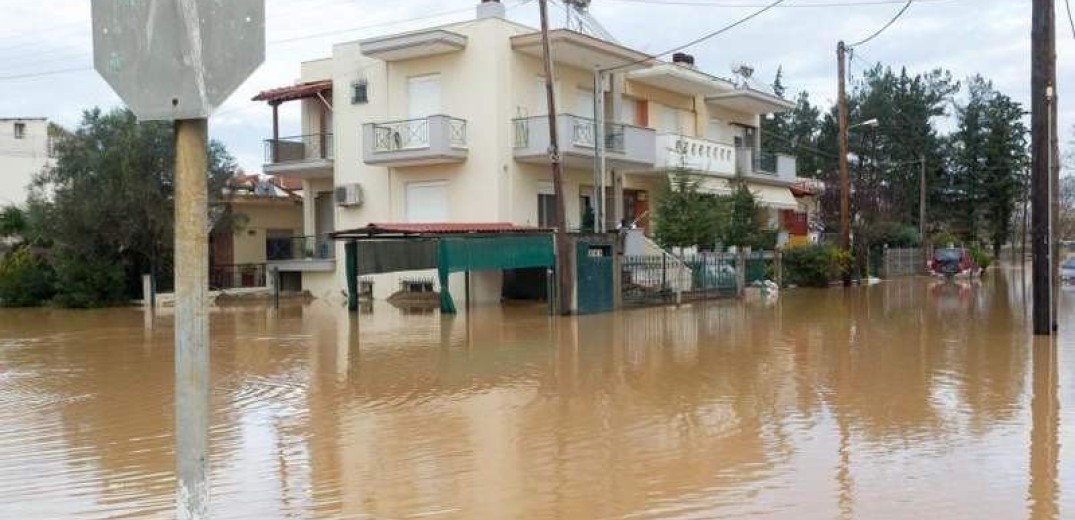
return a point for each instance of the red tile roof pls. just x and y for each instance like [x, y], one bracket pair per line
[440, 228]
[287, 183]
[801, 190]
[298, 91]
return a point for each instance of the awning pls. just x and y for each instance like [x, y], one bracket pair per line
[299, 91]
[774, 196]
[749, 101]
[778, 197]
[582, 50]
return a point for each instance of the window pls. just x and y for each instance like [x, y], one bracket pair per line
[629, 112]
[423, 96]
[584, 101]
[427, 201]
[546, 210]
[360, 92]
[20, 130]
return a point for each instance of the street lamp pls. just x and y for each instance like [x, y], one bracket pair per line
[845, 186]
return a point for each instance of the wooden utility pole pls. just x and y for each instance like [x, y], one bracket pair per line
[922, 208]
[845, 175]
[1043, 74]
[563, 256]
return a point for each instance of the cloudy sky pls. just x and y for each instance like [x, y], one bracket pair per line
[46, 50]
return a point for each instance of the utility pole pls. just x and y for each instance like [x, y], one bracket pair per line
[563, 256]
[1043, 76]
[922, 207]
[845, 175]
[599, 151]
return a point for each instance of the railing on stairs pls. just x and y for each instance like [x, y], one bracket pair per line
[678, 278]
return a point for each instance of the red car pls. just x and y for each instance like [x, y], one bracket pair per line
[951, 261]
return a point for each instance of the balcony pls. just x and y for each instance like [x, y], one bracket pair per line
[625, 146]
[695, 154]
[303, 156]
[415, 142]
[765, 165]
[308, 253]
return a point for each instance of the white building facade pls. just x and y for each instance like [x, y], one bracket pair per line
[24, 152]
[450, 124]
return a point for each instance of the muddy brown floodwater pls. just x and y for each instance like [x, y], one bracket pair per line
[908, 399]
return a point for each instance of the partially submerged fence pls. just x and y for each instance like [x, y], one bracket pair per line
[902, 262]
[660, 279]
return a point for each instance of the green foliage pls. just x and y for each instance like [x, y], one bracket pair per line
[944, 238]
[980, 256]
[744, 224]
[84, 282]
[814, 265]
[685, 217]
[26, 279]
[893, 234]
[13, 223]
[106, 206]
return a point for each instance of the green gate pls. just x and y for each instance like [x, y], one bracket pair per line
[594, 277]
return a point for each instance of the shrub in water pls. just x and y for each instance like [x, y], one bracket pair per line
[814, 265]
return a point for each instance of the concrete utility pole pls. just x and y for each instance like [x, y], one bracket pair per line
[563, 256]
[599, 151]
[845, 175]
[191, 319]
[1043, 77]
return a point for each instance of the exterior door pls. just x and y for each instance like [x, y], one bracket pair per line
[324, 223]
[594, 278]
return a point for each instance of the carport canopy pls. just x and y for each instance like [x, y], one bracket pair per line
[448, 247]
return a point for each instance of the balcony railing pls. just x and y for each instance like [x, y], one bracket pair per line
[236, 276]
[757, 162]
[625, 144]
[427, 140]
[299, 248]
[694, 153]
[299, 148]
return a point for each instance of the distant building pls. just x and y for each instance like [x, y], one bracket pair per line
[24, 152]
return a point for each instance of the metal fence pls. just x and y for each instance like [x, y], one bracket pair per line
[236, 276]
[902, 262]
[659, 279]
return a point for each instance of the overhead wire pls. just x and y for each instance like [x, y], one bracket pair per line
[1067, 5]
[702, 3]
[702, 38]
[884, 27]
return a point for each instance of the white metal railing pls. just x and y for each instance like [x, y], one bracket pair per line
[457, 133]
[401, 135]
[636, 243]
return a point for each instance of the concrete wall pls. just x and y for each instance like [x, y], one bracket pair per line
[249, 242]
[21, 159]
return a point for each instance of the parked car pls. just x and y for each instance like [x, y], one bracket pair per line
[1067, 270]
[951, 262]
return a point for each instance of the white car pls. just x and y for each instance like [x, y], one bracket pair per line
[1067, 271]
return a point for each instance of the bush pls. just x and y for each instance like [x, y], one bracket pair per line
[26, 280]
[814, 265]
[943, 238]
[892, 233]
[89, 282]
[980, 256]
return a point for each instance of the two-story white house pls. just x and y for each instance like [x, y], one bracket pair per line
[24, 152]
[449, 124]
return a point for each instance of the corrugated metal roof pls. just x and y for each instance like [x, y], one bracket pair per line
[438, 228]
[298, 91]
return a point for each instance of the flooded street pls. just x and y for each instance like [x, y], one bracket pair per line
[907, 399]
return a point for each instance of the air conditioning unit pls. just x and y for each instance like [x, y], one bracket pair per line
[349, 195]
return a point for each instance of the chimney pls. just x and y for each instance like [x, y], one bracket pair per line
[684, 59]
[491, 9]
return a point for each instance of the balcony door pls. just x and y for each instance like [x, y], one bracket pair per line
[423, 96]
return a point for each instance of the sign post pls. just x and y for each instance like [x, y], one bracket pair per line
[177, 60]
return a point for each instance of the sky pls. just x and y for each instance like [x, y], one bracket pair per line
[46, 64]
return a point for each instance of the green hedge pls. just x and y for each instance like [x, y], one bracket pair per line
[26, 279]
[814, 265]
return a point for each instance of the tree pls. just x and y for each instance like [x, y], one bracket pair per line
[685, 217]
[106, 207]
[744, 225]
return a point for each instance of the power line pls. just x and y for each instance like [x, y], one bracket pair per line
[886, 26]
[703, 38]
[1067, 4]
[702, 3]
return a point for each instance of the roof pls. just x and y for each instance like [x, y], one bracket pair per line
[293, 92]
[287, 183]
[437, 228]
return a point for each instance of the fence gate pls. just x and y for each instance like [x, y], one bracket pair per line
[594, 278]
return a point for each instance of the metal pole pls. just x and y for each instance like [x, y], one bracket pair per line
[563, 258]
[1042, 75]
[191, 321]
[1054, 206]
[845, 176]
[275, 132]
